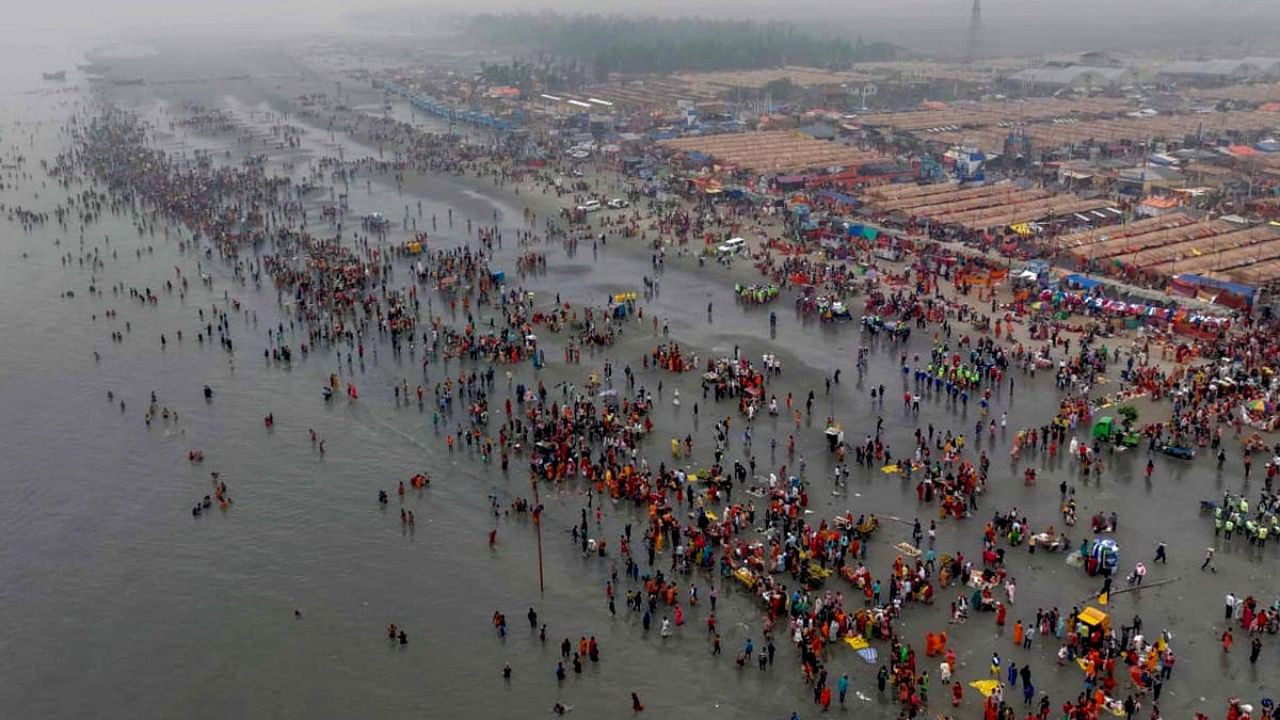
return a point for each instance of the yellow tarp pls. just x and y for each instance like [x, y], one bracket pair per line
[986, 687]
[744, 576]
[856, 642]
[1092, 616]
[890, 469]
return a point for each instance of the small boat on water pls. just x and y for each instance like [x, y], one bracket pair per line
[58, 75]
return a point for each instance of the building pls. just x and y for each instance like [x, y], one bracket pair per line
[1074, 77]
[1219, 71]
[1140, 181]
[1090, 58]
[1267, 67]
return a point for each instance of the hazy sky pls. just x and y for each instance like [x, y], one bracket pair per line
[1188, 23]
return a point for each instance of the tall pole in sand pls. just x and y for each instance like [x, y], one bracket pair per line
[537, 526]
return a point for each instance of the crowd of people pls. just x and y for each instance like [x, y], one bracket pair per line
[715, 514]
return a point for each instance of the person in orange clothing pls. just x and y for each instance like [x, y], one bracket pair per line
[1227, 640]
[1017, 634]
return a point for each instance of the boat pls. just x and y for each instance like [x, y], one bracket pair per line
[58, 75]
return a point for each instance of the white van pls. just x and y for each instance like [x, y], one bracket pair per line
[732, 246]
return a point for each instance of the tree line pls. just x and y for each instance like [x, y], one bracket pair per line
[614, 44]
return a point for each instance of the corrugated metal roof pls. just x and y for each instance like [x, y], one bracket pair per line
[1268, 65]
[1221, 68]
[1069, 75]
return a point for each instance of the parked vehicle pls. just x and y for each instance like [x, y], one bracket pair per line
[1177, 451]
[1107, 429]
[732, 246]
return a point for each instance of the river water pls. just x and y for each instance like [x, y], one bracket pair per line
[116, 602]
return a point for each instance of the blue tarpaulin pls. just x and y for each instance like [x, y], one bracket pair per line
[1083, 281]
[1234, 288]
[838, 197]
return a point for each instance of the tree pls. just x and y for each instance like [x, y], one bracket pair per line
[781, 90]
[618, 44]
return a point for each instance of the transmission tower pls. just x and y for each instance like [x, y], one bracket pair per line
[975, 31]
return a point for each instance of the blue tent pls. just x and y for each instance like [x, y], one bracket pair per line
[1234, 288]
[838, 197]
[1085, 282]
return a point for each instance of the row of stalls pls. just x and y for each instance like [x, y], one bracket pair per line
[428, 104]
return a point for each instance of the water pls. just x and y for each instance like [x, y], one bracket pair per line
[116, 602]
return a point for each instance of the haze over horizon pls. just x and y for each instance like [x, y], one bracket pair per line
[925, 27]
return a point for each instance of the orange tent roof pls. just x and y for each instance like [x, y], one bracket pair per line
[1157, 201]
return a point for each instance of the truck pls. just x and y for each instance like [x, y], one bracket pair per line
[1106, 429]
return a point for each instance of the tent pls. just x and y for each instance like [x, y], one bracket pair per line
[1083, 281]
